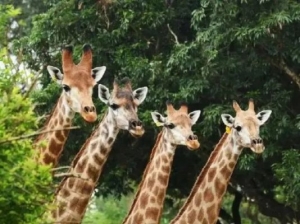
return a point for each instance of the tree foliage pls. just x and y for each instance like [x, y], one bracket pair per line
[25, 187]
[207, 53]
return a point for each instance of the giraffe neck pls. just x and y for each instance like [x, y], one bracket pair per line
[50, 144]
[148, 203]
[74, 193]
[203, 204]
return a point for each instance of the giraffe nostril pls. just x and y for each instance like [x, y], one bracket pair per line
[193, 137]
[86, 109]
[257, 141]
[92, 109]
[135, 123]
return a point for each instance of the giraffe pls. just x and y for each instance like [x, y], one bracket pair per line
[148, 203]
[73, 193]
[204, 202]
[77, 83]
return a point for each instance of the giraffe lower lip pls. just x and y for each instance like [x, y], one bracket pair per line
[90, 117]
[136, 134]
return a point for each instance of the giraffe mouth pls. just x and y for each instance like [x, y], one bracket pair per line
[89, 117]
[257, 148]
[192, 144]
[137, 133]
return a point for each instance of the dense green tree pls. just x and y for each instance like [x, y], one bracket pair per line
[25, 187]
[206, 53]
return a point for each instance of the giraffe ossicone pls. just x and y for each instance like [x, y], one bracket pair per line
[177, 130]
[203, 204]
[77, 82]
[73, 194]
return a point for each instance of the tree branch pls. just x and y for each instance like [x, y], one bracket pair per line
[225, 216]
[173, 34]
[283, 66]
[36, 133]
[235, 207]
[60, 168]
[267, 205]
[70, 174]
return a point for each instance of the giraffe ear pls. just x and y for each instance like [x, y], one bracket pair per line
[98, 72]
[55, 73]
[158, 119]
[140, 94]
[194, 116]
[263, 116]
[103, 93]
[227, 119]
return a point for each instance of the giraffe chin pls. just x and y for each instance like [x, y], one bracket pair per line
[137, 133]
[258, 148]
[89, 117]
[192, 145]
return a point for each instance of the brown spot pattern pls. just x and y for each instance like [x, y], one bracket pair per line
[211, 174]
[152, 213]
[144, 200]
[191, 216]
[208, 195]
[163, 179]
[92, 172]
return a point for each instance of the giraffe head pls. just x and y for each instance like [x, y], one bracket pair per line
[78, 81]
[123, 103]
[178, 125]
[245, 126]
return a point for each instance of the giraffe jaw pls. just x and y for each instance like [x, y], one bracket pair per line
[89, 117]
[193, 144]
[137, 133]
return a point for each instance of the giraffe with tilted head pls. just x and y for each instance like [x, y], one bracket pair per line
[77, 82]
[148, 203]
[204, 202]
[74, 192]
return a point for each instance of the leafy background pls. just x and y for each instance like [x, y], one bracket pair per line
[206, 53]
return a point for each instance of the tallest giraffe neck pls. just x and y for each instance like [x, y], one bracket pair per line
[148, 203]
[54, 141]
[73, 194]
[203, 204]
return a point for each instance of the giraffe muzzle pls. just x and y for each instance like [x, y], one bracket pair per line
[192, 142]
[136, 128]
[257, 145]
[89, 114]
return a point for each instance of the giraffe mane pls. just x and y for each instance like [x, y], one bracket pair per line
[78, 155]
[144, 175]
[202, 175]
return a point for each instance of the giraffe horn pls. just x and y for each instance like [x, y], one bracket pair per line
[251, 104]
[67, 58]
[236, 106]
[87, 57]
[183, 108]
[127, 83]
[170, 108]
[116, 85]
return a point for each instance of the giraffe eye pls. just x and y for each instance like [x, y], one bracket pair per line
[114, 106]
[66, 88]
[238, 128]
[171, 125]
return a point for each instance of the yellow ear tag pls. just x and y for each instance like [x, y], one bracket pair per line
[53, 77]
[159, 124]
[228, 129]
